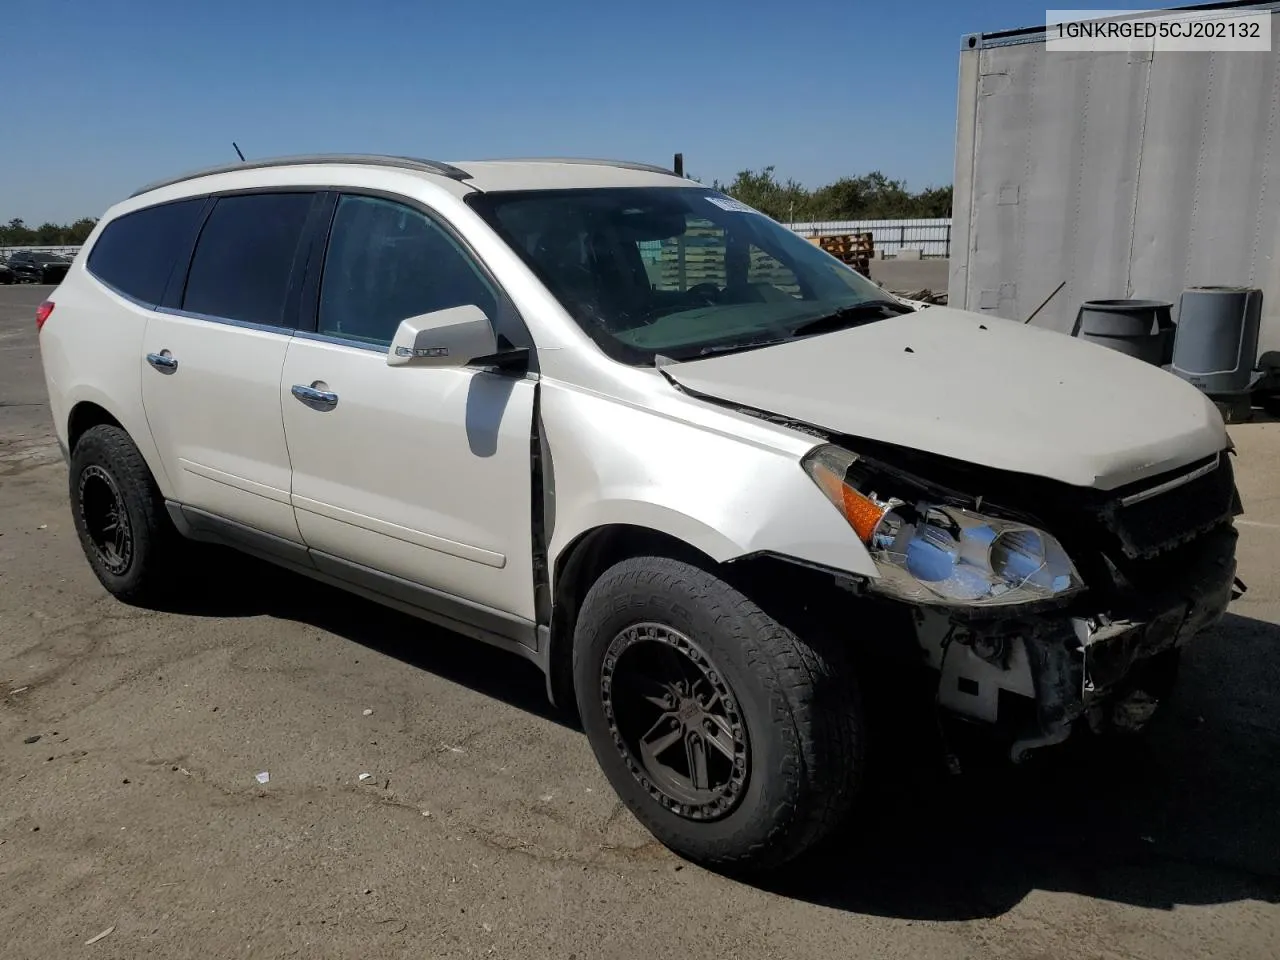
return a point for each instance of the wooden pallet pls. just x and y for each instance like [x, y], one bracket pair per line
[855, 249]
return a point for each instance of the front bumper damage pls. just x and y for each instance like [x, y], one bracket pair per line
[1037, 676]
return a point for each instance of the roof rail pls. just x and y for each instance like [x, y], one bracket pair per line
[622, 164]
[361, 159]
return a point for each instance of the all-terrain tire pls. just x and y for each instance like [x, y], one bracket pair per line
[105, 458]
[796, 696]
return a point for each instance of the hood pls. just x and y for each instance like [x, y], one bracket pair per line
[978, 389]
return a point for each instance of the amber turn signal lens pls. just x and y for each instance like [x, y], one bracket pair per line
[862, 513]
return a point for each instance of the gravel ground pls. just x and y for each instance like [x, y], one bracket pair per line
[485, 829]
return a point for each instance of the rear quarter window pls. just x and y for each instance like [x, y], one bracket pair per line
[135, 253]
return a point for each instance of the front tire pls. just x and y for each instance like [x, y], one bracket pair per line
[737, 743]
[120, 517]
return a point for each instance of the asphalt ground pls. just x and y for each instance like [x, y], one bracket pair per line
[485, 828]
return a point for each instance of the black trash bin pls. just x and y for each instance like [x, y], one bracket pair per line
[1139, 328]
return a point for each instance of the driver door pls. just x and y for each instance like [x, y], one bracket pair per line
[413, 482]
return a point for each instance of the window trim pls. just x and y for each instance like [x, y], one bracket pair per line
[318, 337]
[226, 321]
[308, 320]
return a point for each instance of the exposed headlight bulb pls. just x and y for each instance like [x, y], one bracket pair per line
[939, 553]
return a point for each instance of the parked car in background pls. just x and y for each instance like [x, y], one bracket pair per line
[38, 267]
[713, 494]
[6, 274]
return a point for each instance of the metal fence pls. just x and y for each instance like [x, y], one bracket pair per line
[931, 237]
[67, 252]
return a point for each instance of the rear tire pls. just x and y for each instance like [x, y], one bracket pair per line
[120, 517]
[680, 678]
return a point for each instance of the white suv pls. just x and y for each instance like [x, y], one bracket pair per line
[711, 480]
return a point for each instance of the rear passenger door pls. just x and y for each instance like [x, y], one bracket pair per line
[419, 473]
[213, 356]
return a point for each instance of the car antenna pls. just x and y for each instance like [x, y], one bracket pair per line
[238, 153]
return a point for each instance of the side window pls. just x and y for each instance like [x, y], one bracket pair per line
[387, 262]
[246, 256]
[136, 252]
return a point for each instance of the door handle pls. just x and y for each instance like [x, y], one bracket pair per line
[314, 395]
[162, 361]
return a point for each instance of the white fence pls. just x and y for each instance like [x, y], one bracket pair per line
[931, 237]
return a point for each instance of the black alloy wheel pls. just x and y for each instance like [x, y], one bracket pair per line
[106, 520]
[675, 721]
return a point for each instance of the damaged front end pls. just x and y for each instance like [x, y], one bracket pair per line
[1038, 604]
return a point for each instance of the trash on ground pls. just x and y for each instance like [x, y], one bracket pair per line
[368, 712]
[452, 749]
[43, 526]
[263, 777]
[364, 776]
[34, 738]
[19, 690]
[105, 933]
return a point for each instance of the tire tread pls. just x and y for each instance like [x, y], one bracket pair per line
[813, 701]
[156, 541]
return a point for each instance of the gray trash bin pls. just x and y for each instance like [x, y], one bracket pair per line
[1217, 343]
[1139, 328]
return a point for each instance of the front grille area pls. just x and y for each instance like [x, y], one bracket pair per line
[1162, 522]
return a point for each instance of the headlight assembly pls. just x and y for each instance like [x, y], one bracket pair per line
[937, 553]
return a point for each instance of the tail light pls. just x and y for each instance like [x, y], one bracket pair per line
[42, 314]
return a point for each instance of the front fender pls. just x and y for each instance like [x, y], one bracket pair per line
[728, 485]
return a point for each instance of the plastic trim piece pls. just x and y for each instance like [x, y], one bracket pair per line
[479, 622]
[1173, 484]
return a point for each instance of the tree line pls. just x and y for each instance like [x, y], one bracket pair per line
[872, 196]
[16, 233]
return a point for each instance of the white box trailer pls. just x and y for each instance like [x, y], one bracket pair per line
[1120, 174]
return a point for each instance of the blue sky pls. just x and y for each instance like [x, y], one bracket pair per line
[104, 95]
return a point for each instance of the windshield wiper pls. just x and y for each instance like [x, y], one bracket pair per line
[715, 351]
[844, 317]
[850, 316]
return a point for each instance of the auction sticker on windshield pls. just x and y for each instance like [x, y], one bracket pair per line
[728, 203]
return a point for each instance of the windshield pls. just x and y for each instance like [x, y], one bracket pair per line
[674, 271]
[48, 258]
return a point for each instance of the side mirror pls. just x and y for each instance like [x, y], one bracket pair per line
[444, 338]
